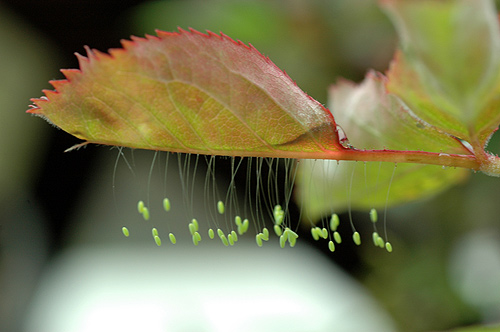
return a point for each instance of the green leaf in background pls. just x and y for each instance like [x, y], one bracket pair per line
[376, 120]
[440, 94]
[449, 71]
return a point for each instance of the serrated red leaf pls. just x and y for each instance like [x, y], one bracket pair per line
[189, 92]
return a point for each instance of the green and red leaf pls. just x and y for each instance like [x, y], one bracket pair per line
[188, 92]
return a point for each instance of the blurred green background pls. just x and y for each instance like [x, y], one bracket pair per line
[65, 266]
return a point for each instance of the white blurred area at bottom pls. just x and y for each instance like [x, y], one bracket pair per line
[206, 288]
[106, 282]
[474, 270]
